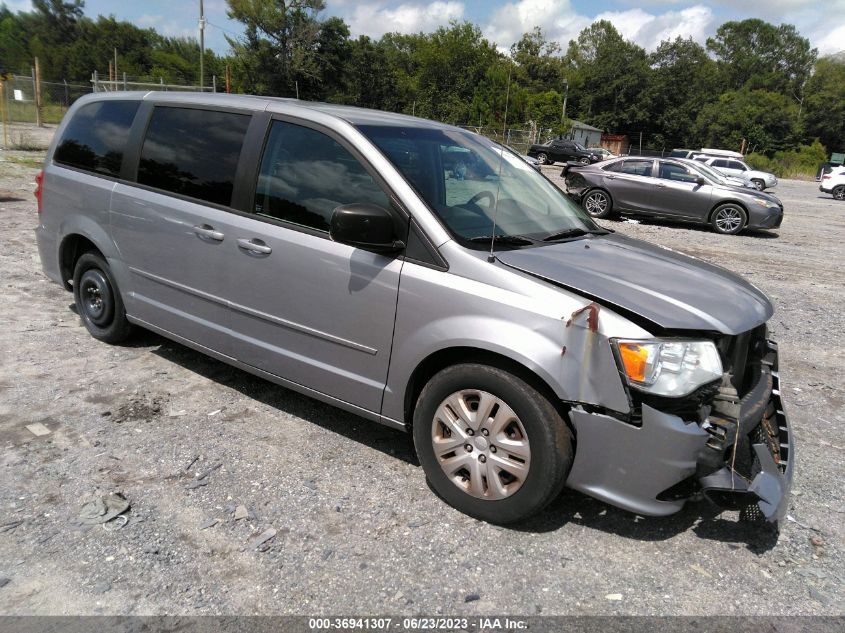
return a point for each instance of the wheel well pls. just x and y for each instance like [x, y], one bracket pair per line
[461, 355]
[73, 247]
[724, 202]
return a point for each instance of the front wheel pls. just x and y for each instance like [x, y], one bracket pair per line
[758, 184]
[98, 300]
[543, 159]
[491, 446]
[584, 160]
[728, 219]
[597, 203]
[839, 192]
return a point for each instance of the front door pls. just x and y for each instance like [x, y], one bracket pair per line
[677, 192]
[305, 308]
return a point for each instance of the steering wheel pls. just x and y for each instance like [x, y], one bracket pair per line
[479, 196]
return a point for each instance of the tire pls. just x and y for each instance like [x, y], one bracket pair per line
[584, 160]
[98, 300]
[543, 159]
[839, 192]
[597, 203]
[759, 184]
[505, 475]
[728, 219]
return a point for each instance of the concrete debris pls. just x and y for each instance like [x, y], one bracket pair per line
[472, 597]
[4, 581]
[208, 523]
[241, 513]
[614, 597]
[104, 509]
[38, 429]
[262, 538]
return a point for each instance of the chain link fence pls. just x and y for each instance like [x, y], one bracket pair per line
[56, 97]
[101, 83]
[519, 140]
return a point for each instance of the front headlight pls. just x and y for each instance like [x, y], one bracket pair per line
[671, 368]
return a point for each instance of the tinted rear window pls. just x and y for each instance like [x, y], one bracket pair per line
[193, 152]
[95, 137]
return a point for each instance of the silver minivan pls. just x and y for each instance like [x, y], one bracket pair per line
[426, 278]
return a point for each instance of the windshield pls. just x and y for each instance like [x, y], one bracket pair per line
[712, 173]
[457, 173]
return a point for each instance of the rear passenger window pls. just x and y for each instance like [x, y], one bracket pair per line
[720, 163]
[193, 152]
[637, 167]
[306, 174]
[95, 137]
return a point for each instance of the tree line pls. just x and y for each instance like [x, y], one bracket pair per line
[751, 81]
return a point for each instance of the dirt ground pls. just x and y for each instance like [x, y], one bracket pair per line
[356, 529]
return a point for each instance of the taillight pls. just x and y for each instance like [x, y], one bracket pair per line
[39, 188]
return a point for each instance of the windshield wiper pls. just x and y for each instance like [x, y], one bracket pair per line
[512, 240]
[562, 235]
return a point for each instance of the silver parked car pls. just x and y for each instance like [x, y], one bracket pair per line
[330, 250]
[672, 188]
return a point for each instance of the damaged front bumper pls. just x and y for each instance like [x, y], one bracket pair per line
[654, 466]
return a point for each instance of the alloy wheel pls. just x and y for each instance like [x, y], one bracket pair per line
[596, 203]
[839, 193]
[728, 219]
[542, 158]
[481, 444]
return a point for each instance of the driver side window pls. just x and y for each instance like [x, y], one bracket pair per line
[306, 174]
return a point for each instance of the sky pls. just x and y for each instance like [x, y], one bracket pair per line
[645, 22]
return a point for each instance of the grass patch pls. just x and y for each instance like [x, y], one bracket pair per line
[26, 161]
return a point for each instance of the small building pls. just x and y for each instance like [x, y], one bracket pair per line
[587, 135]
[616, 143]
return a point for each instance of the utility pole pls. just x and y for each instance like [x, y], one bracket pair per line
[39, 104]
[565, 96]
[202, 46]
[114, 87]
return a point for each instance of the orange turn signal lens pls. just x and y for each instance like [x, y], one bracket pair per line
[635, 360]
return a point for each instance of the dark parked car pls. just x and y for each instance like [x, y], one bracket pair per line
[563, 150]
[672, 188]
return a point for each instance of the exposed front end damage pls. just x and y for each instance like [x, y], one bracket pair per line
[729, 441]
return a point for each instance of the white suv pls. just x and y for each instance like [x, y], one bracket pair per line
[735, 167]
[834, 183]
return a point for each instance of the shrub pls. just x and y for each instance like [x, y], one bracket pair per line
[798, 163]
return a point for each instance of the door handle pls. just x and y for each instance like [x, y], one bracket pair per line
[254, 246]
[661, 185]
[209, 232]
[611, 177]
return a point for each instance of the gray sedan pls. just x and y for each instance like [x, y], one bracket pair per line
[670, 188]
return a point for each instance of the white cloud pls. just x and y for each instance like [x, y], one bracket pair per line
[648, 30]
[559, 21]
[378, 17]
[166, 26]
[16, 6]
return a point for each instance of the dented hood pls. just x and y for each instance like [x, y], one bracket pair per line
[672, 290]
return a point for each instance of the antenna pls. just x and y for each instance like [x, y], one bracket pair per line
[491, 258]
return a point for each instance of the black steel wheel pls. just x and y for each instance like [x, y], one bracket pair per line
[98, 299]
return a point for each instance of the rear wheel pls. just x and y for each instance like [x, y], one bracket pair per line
[98, 300]
[543, 159]
[759, 184]
[839, 192]
[728, 219]
[491, 446]
[597, 203]
[584, 160]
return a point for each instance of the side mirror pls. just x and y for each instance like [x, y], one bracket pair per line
[700, 181]
[366, 226]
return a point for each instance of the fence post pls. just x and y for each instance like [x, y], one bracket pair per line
[3, 113]
[124, 81]
[94, 81]
[214, 83]
[161, 81]
[39, 102]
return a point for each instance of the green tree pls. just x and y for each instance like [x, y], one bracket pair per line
[607, 75]
[766, 120]
[279, 45]
[757, 55]
[538, 61]
[824, 104]
[682, 80]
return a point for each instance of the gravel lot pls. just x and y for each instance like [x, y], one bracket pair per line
[357, 531]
